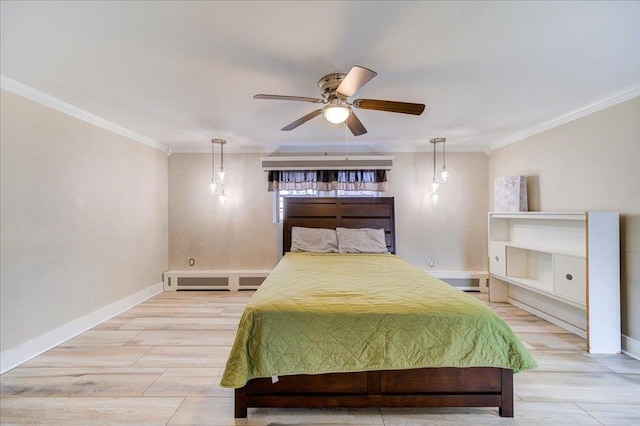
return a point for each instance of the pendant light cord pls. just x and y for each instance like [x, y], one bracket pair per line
[213, 163]
[444, 155]
[221, 156]
[434, 162]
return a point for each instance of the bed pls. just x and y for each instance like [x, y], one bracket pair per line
[366, 330]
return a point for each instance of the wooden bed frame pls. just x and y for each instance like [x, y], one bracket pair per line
[423, 387]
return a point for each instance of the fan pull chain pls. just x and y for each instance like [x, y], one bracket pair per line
[325, 137]
[346, 143]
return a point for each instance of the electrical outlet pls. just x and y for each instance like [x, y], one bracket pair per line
[432, 263]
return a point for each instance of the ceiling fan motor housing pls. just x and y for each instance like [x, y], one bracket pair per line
[329, 83]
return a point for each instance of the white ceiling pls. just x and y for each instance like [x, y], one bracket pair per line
[180, 73]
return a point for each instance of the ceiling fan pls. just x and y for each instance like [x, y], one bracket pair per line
[336, 90]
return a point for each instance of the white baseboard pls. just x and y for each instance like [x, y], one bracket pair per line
[20, 354]
[553, 320]
[631, 347]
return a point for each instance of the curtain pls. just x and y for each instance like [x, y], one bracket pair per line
[328, 180]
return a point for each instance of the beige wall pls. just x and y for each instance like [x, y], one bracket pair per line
[592, 163]
[242, 235]
[238, 235]
[83, 218]
[453, 232]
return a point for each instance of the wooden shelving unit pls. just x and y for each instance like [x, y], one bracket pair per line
[564, 267]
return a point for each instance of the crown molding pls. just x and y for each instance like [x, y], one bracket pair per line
[299, 150]
[595, 106]
[42, 98]
[229, 148]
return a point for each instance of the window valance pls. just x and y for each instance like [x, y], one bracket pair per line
[328, 180]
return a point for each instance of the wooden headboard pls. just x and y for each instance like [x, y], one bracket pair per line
[330, 213]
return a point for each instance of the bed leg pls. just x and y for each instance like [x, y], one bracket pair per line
[241, 403]
[506, 403]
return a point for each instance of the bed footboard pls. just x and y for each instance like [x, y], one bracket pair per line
[425, 387]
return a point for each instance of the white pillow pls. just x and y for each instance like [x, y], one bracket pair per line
[363, 240]
[318, 240]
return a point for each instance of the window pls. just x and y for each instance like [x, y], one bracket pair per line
[281, 193]
[323, 183]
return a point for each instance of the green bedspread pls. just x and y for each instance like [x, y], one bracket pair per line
[323, 313]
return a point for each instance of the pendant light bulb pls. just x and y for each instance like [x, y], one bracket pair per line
[221, 175]
[223, 198]
[213, 186]
[444, 174]
[434, 186]
[434, 197]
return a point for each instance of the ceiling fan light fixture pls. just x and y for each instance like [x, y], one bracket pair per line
[336, 111]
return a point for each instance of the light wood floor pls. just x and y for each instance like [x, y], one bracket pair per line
[161, 362]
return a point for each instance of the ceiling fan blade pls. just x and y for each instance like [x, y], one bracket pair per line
[390, 106]
[302, 120]
[355, 125]
[289, 98]
[356, 78]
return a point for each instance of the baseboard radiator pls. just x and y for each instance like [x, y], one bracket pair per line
[214, 280]
[464, 280]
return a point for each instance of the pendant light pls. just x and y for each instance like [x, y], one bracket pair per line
[444, 174]
[221, 175]
[213, 184]
[221, 172]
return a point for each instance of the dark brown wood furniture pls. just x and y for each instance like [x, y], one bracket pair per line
[423, 387]
[331, 213]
